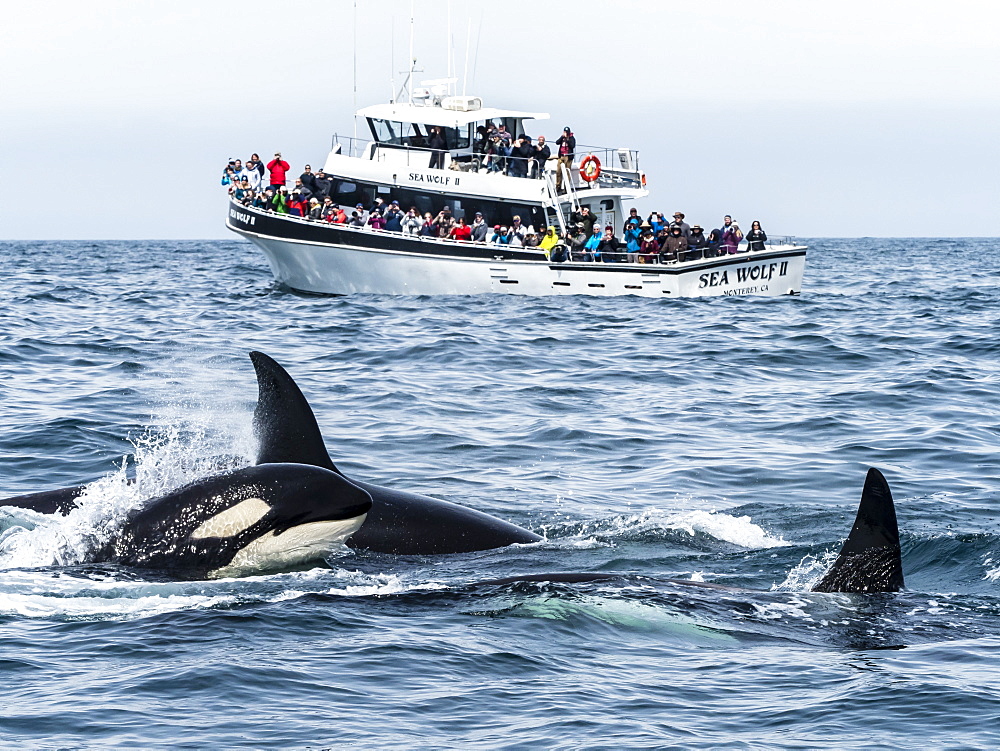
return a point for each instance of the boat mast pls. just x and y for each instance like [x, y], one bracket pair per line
[468, 43]
[411, 68]
[355, 70]
[409, 76]
[449, 49]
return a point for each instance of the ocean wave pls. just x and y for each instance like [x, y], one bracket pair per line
[654, 525]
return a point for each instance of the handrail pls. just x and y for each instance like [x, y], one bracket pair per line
[619, 167]
[619, 256]
[553, 196]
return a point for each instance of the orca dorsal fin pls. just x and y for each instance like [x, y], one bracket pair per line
[283, 421]
[870, 560]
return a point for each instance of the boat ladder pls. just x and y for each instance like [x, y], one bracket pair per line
[550, 186]
[574, 200]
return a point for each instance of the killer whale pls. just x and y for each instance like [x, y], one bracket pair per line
[60, 501]
[269, 517]
[399, 522]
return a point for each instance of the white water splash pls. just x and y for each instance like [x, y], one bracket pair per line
[807, 573]
[992, 574]
[66, 595]
[359, 584]
[737, 530]
[164, 459]
[779, 611]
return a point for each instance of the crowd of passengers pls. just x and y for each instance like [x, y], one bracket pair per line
[496, 149]
[650, 240]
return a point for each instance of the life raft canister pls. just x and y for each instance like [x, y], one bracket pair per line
[590, 168]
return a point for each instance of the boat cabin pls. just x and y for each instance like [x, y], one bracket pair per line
[399, 164]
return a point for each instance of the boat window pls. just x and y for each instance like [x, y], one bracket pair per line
[398, 133]
[455, 138]
[384, 131]
[346, 193]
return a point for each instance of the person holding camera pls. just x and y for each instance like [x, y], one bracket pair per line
[278, 169]
[542, 152]
[519, 156]
[438, 145]
[567, 148]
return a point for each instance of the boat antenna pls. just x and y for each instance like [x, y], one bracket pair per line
[355, 70]
[412, 61]
[468, 41]
[411, 68]
[392, 61]
[449, 48]
[475, 60]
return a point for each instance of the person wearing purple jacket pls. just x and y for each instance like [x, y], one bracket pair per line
[731, 236]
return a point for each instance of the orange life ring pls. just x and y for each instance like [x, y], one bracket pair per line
[590, 168]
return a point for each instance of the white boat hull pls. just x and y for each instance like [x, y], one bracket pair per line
[336, 267]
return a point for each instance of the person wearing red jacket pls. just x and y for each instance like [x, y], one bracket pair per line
[278, 168]
[461, 231]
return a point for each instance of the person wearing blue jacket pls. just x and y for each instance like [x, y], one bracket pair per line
[631, 238]
[593, 245]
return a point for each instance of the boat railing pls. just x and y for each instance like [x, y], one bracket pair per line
[619, 168]
[624, 256]
[580, 256]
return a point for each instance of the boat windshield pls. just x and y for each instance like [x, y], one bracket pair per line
[399, 133]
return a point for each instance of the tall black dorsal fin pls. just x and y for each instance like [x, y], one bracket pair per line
[283, 421]
[870, 560]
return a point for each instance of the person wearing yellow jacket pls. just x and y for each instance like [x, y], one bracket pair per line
[549, 240]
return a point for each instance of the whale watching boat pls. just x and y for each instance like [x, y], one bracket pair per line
[398, 164]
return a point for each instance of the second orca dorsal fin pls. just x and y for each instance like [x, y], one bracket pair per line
[870, 560]
[283, 421]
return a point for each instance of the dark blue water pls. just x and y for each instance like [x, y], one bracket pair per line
[723, 440]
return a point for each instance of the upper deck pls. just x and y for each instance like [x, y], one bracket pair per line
[399, 153]
[448, 112]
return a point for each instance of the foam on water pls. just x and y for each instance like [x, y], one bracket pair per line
[992, 574]
[736, 530]
[807, 573]
[165, 458]
[69, 595]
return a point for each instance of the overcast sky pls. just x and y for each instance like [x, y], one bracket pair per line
[876, 118]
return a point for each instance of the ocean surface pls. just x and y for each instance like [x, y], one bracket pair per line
[721, 440]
